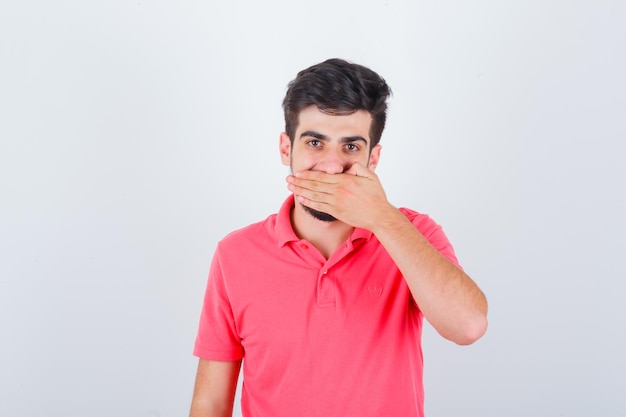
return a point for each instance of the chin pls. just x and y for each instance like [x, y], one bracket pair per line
[319, 215]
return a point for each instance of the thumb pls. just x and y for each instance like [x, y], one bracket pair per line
[359, 170]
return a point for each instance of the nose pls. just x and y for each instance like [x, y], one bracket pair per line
[330, 167]
[332, 163]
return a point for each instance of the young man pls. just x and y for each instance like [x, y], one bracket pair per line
[324, 300]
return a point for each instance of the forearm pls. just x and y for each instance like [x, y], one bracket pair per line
[448, 298]
[214, 391]
[205, 408]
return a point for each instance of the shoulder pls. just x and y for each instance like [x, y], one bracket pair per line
[256, 233]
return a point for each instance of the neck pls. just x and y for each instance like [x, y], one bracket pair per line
[325, 236]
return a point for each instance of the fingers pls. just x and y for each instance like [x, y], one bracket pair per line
[355, 169]
[317, 176]
[310, 189]
[332, 189]
[314, 185]
[319, 182]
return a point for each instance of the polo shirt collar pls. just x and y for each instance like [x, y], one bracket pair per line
[285, 233]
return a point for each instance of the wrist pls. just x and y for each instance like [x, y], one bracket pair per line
[390, 219]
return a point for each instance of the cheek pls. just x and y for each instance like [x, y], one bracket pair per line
[302, 162]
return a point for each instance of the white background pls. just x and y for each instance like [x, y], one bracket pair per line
[135, 134]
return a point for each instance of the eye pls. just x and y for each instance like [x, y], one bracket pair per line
[351, 147]
[314, 143]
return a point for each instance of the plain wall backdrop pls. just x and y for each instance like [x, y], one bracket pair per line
[135, 134]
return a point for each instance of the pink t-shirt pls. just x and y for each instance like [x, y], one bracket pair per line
[337, 337]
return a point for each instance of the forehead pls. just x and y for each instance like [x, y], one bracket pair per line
[354, 124]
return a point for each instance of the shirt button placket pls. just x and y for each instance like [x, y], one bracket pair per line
[325, 288]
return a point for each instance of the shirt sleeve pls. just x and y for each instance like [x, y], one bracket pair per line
[434, 233]
[217, 337]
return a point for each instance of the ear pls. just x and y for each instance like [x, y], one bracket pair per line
[285, 149]
[374, 157]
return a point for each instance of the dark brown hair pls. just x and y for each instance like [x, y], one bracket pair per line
[337, 86]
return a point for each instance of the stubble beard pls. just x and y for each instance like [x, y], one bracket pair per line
[319, 215]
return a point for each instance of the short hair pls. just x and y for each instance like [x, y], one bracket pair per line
[338, 87]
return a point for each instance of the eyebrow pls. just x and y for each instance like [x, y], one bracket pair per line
[319, 136]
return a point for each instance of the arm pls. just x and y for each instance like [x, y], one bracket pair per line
[448, 298]
[214, 392]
